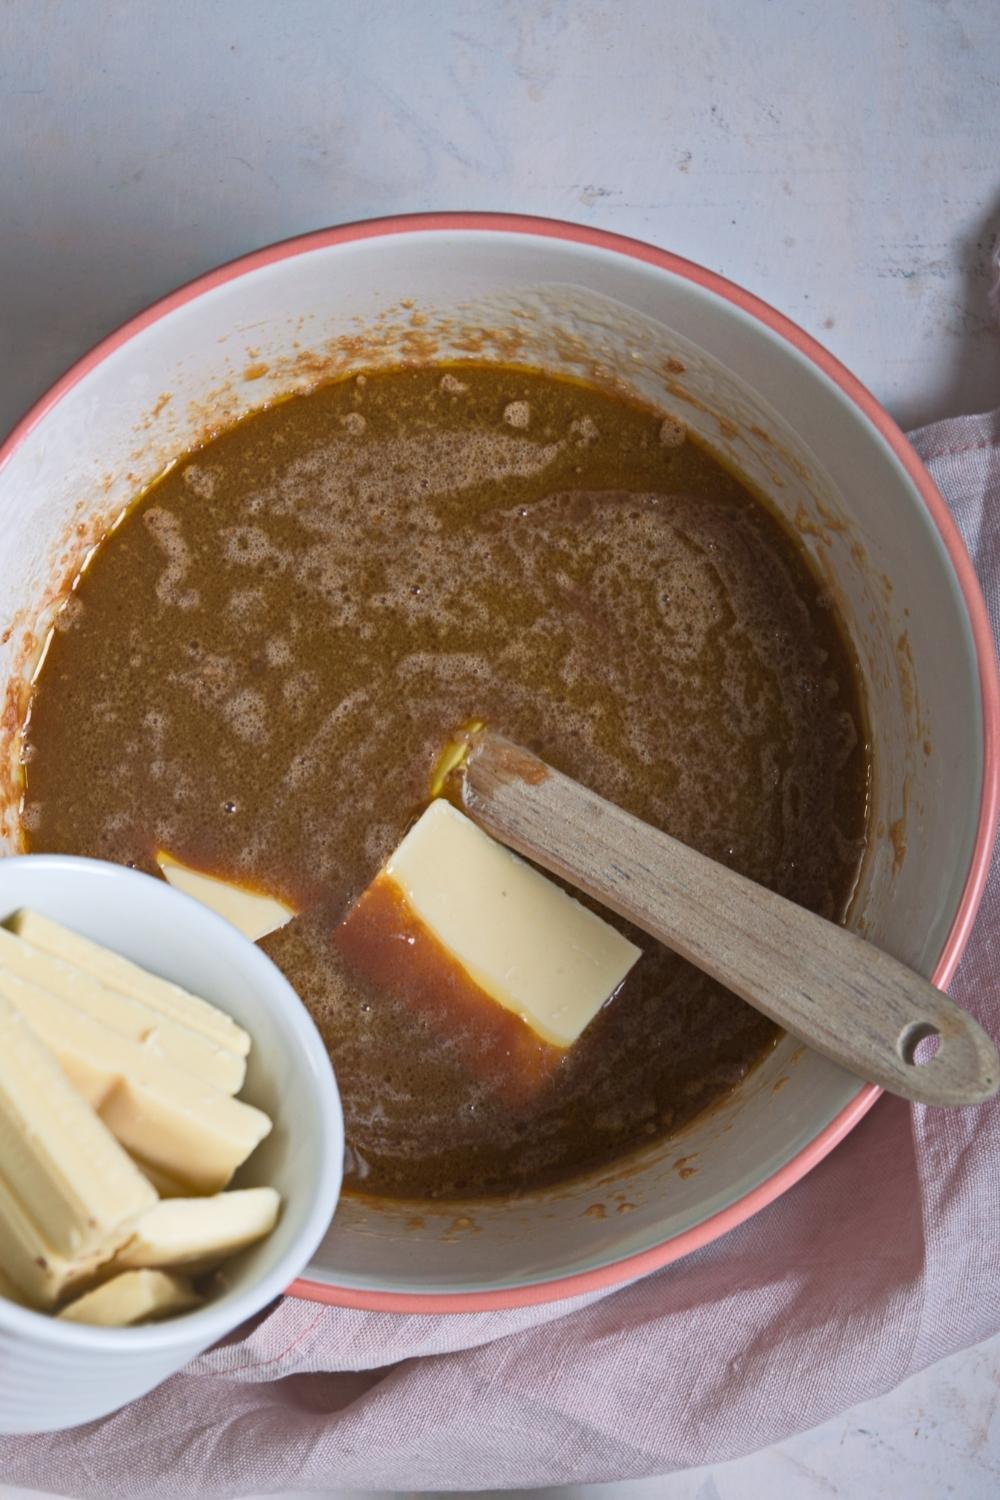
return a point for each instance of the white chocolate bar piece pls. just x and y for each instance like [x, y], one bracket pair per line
[254, 913]
[196, 1234]
[68, 1192]
[133, 1297]
[163, 1035]
[197, 1135]
[121, 974]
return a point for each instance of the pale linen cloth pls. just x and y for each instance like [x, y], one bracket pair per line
[884, 1259]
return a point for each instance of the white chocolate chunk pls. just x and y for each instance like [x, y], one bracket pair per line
[68, 1192]
[531, 947]
[9, 1291]
[160, 1033]
[40, 1274]
[121, 974]
[166, 1186]
[197, 1135]
[254, 913]
[133, 1297]
[198, 1233]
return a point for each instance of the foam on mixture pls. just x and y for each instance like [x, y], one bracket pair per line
[260, 666]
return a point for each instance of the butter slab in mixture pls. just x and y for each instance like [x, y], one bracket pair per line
[456, 923]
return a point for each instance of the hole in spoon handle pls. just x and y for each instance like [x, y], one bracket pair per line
[909, 1039]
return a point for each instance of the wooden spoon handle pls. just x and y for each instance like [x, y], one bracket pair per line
[831, 989]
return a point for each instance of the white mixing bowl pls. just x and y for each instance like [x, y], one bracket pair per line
[764, 397]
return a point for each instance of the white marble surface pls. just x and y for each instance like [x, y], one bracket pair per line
[843, 161]
[840, 160]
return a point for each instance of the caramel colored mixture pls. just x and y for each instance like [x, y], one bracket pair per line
[259, 667]
[385, 941]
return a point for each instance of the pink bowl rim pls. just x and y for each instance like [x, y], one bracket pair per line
[632, 1266]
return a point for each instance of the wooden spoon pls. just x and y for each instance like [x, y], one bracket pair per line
[831, 989]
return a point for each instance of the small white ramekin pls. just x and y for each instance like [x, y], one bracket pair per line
[55, 1375]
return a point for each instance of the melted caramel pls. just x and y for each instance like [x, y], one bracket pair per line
[262, 661]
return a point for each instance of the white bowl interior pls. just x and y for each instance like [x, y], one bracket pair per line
[759, 404]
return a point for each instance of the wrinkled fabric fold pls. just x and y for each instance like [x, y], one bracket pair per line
[881, 1261]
